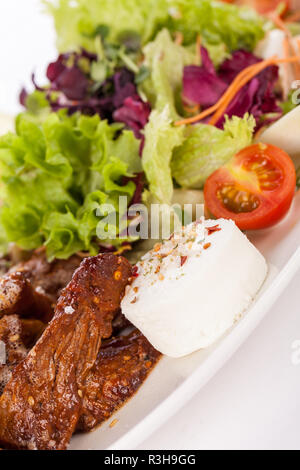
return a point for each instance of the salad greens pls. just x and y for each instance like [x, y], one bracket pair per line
[160, 140]
[217, 22]
[78, 21]
[166, 61]
[103, 125]
[206, 148]
[55, 175]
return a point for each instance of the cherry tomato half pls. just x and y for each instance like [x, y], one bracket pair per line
[255, 188]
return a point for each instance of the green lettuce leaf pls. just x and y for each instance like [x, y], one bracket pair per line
[161, 138]
[206, 148]
[37, 104]
[77, 23]
[288, 105]
[56, 174]
[218, 22]
[166, 61]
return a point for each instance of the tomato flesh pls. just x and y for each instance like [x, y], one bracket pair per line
[255, 188]
[237, 200]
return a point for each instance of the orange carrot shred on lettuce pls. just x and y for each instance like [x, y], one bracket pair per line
[255, 70]
[228, 93]
[278, 21]
[212, 109]
[192, 109]
[198, 49]
[242, 79]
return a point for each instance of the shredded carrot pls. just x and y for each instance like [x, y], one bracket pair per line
[228, 93]
[281, 25]
[252, 71]
[292, 60]
[198, 49]
[192, 109]
[213, 108]
[296, 65]
[278, 21]
[298, 44]
[242, 79]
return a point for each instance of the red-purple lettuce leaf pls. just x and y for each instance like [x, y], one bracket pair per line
[201, 84]
[204, 86]
[71, 87]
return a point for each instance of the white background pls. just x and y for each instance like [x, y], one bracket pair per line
[254, 401]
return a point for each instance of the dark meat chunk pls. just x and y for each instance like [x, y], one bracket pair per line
[48, 278]
[41, 405]
[18, 297]
[31, 288]
[31, 331]
[120, 323]
[122, 365]
[17, 337]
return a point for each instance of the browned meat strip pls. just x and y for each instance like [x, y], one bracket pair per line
[41, 405]
[48, 279]
[31, 288]
[120, 323]
[18, 336]
[122, 365]
[18, 297]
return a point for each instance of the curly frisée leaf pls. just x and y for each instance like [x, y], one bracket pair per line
[77, 22]
[56, 174]
[218, 22]
[206, 148]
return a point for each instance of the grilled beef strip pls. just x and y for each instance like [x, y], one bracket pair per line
[31, 288]
[48, 278]
[41, 405]
[18, 297]
[122, 365]
[18, 336]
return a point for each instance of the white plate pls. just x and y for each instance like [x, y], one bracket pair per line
[174, 381]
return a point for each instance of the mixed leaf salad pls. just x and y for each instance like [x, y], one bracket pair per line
[144, 97]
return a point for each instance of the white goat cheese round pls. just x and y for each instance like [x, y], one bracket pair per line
[190, 289]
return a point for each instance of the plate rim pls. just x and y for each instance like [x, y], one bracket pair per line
[213, 363]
